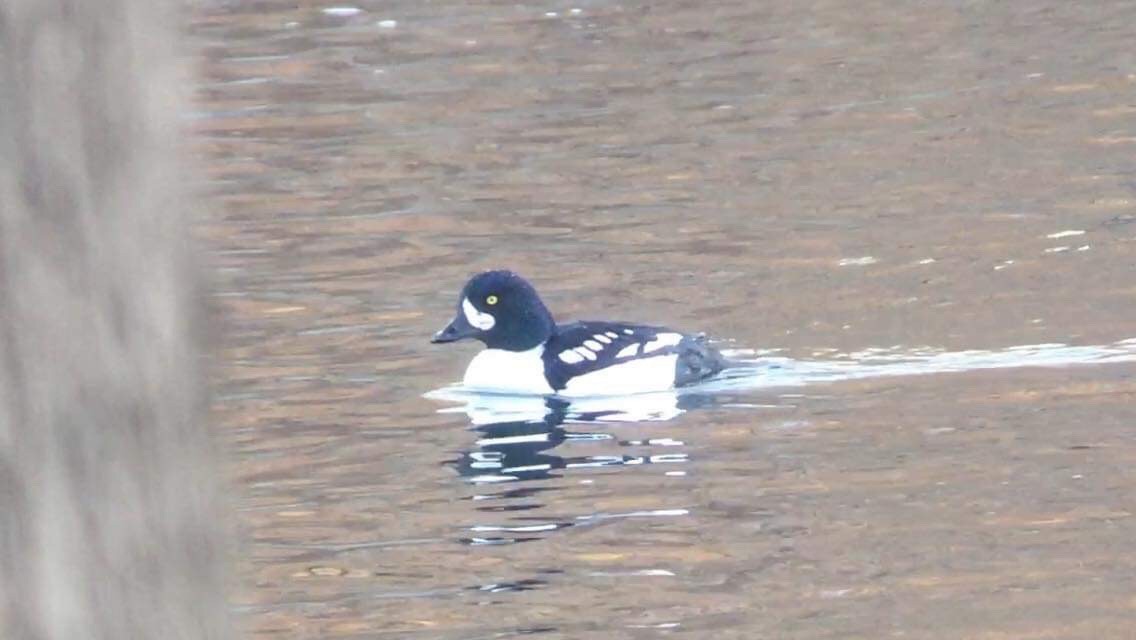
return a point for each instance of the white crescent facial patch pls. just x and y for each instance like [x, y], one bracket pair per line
[483, 321]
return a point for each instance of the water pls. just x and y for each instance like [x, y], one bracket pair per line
[837, 186]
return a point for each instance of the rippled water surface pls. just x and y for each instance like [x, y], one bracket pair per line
[891, 208]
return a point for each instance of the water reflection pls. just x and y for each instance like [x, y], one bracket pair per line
[517, 441]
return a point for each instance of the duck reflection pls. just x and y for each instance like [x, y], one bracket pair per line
[516, 434]
[517, 441]
[512, 450]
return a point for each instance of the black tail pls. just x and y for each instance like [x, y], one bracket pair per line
[697, 360]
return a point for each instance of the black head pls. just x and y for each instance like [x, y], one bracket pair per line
[502, 310]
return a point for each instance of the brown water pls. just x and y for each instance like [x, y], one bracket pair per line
[817, 178]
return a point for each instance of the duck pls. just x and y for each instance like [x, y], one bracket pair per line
[527, 353]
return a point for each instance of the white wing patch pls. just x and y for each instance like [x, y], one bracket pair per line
[570, 357]
[602, 338]
[483, 321]
[593, 345]
[661, 341]
[611, 334]
[628, 331]
[587, 353]
[628, 351]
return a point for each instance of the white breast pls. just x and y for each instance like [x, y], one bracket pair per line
[508, 372]
[643, 375]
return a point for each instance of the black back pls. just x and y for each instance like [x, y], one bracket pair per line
[696, 359]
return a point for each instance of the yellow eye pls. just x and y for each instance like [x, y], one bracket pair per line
[491, 300]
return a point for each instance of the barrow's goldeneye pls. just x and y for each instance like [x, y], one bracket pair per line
[528, 353]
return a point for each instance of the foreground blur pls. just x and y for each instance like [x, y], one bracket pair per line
[108, 483]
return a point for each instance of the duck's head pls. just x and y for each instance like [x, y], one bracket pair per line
[502, 310]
